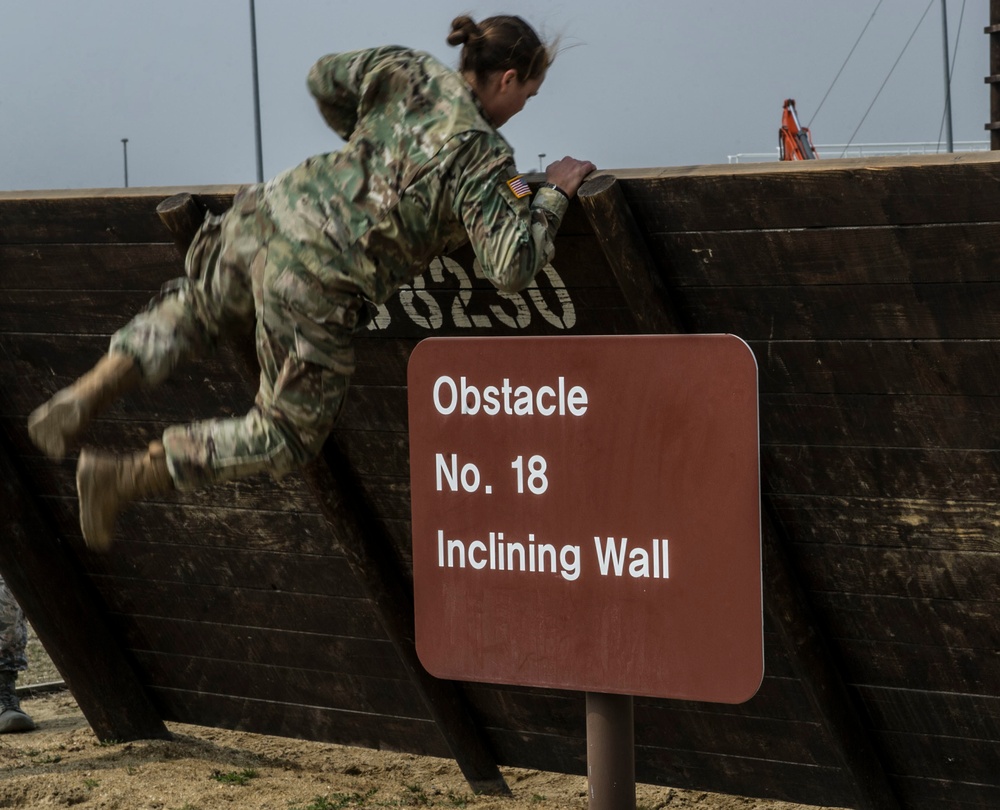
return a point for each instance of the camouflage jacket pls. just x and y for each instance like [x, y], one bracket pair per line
[422, 171]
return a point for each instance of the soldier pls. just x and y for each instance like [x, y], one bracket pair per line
[13, 641]
[307, 256]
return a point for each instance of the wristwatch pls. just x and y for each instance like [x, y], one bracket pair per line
[554, 187]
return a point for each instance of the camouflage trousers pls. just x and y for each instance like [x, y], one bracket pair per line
[243, 275]
[13, 632]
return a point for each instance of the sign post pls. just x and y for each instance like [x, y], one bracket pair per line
[610, 752]
[586, 515]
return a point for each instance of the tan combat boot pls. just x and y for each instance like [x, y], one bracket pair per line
[106, 484]
[56, 424]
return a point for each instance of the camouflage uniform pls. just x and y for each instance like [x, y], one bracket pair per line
[13, 633]
[307, 254]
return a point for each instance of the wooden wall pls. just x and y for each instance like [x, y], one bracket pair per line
[866, 291]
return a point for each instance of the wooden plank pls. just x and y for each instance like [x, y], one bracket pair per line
[947, 758]
[351, 617]
[300, 722]
[917, 523]
[929, 473]
[241, 645]
[228, 566]
[890, 254]
[847, 312]
[877, 420]
[215, 530]
[906, 367]
[941, 714]
[946, 623]
[56, 481]
[377, 453]
[560, 712]
[96, 216]
[88, 312]
[739, 776]
[938, 669]
[35, 564]
[89, 267]
[282, 681]
[942, 794]
[763, 739]
[911, 190]
[322, 652]
[910, 573]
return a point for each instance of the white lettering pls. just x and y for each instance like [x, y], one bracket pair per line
[469, 392]
[409, 298]
[507, 399]
[500, 554]
[568, 318]
[474, 561]
[544, 410]
[611, 554]
[652, 563]
[448, 381]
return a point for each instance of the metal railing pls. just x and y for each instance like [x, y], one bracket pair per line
[855, 150]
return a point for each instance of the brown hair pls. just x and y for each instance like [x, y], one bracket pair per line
[499, 43]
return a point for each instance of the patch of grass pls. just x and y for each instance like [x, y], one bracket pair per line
[241, 778]
[90, 784]
[417, 797]
[338, 801]
[537, 797]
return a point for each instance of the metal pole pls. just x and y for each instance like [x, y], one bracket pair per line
[256, 93]
[947, 75]
[125, 154]
[993, 79]
[541, 157]
[610, 752]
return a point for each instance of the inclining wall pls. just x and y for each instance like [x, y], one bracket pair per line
[868, 293]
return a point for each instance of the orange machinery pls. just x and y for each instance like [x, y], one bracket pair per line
[794, 140]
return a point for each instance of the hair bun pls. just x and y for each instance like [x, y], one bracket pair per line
[464, 31]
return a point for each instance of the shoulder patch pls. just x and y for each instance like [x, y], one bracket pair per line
[519, 186]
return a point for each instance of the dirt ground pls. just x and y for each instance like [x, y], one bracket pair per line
[62, 764]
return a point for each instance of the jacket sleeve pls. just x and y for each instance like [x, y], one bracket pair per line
[340, 81]
[512, 236]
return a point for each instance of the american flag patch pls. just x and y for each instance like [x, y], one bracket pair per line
[519, 186]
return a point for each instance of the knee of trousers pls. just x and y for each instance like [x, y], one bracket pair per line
[213, 451]
[172, 328]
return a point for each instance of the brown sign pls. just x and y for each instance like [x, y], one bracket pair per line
[586, 513]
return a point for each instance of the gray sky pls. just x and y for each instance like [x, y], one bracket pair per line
[639, 83]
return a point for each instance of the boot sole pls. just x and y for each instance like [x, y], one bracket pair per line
[54, 425]
[96, 533]
[14, 720]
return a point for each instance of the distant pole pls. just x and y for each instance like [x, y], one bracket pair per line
[256, 93]
[947, 76]
[993, 79]
[541, 157]
[125, 154]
